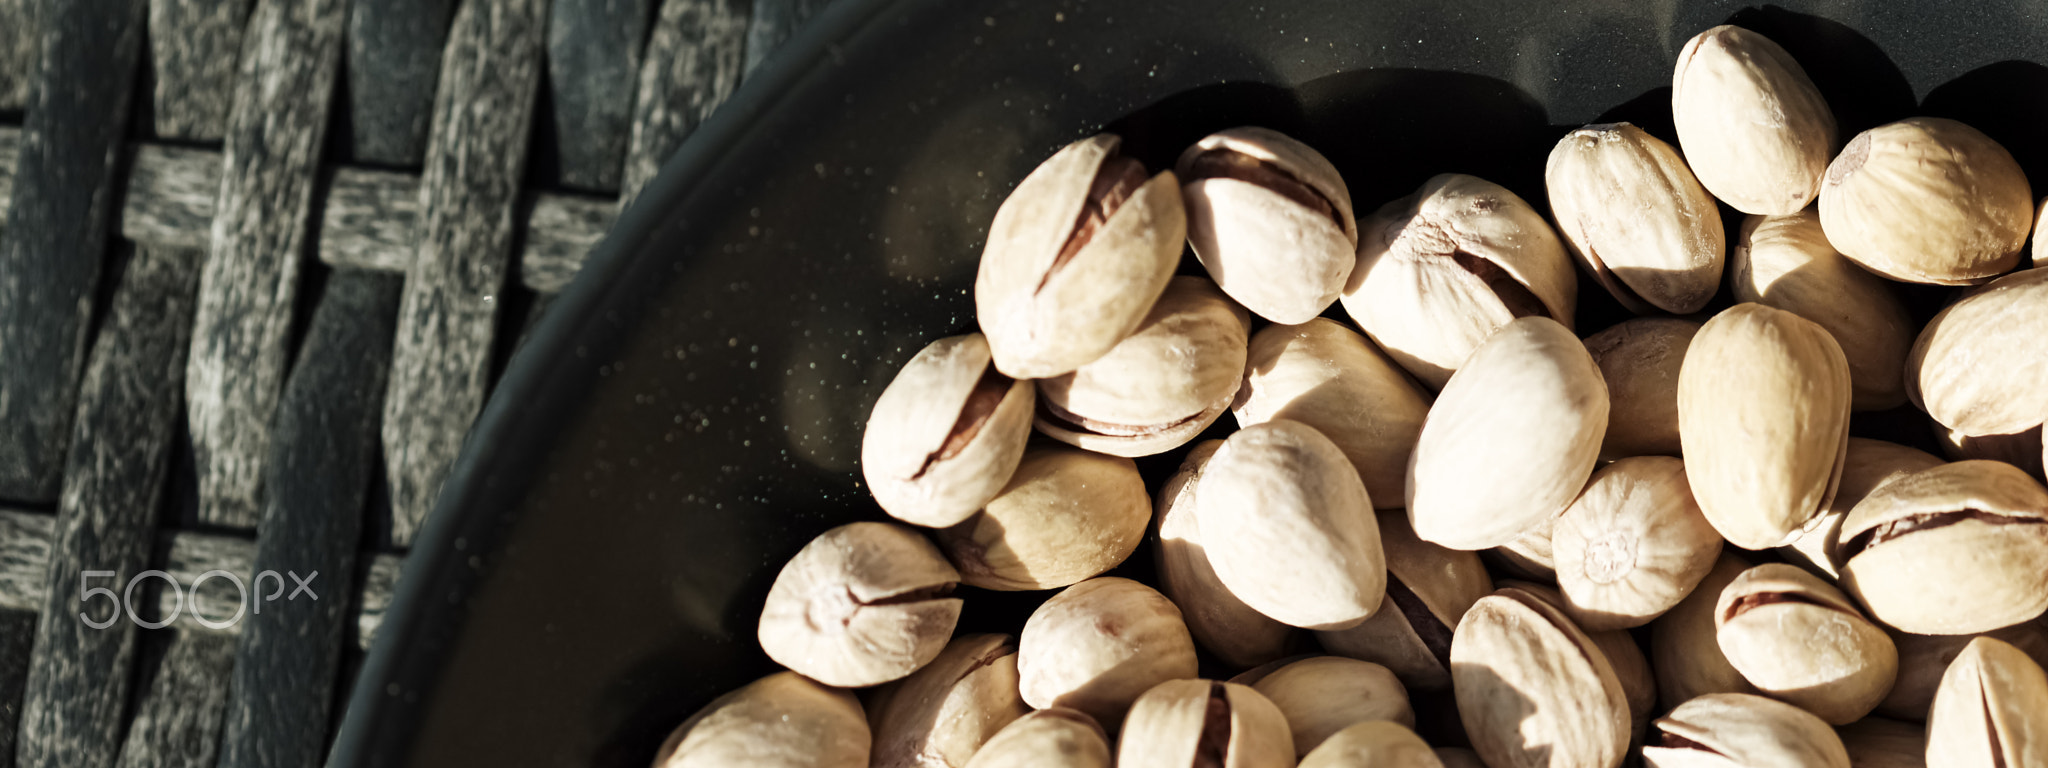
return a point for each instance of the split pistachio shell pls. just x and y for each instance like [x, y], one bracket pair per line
[946, 433]
[1236, 633]
[780, 721]
[941, 714]
[1957, 549]
[1991, 710]
[1631, 212]
[1160, 386]
[1289, 528]
[862, 604]
[1376, 743]
[1201, 723]
[1271, 220]
[1763, 414]
[1640, 360]
[1927, 200]
[1685, 652]
[1752, 124]
[1429, 588]
[1066, 515]
[1977, 367]
[1923, 658]
[1100, 644]
[1326, 694]
[2020, 449]
[1529, 408]
[1632, 545]
[1736, 730]
[1076, 256]
[1532, 690]
[1801, 641]
[1441, 269]
[1875, 742]
[1327, 376]
[1787, 262]
[1866, 464]
[1048, 737]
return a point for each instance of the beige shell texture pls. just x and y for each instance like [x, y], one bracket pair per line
[1326, 694]
[1958, 549]
[1977, 367]
[1528, 410]
[1237, 634]
[1282, 259]
[1631, 212]
[946, 433]
[1632, 545]
[1866, 464]
[1532, 690]
[861, 604]
[1736, 730]
[1640, 359]
[1099, 645]
[1443, 268]
[1801, 641]
[1171, 725]
[1685, 653]
[1047, 737]
[1752, 124]
[1923, 659]
[1632, 669]
[942, 714]
[780, 721]
[2020, 449]
[1066, 515]
[1927, 200]
[1529, 556]
[1991, 710]
[1329, 377]
[1377, 743]
[1875, 742]
[1786, 262]
[1429, 588]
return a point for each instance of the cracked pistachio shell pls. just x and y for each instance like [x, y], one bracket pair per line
[1685, 653]
[1786, 262]
[1631, 212]
[1763, 414]
[1640, 359]
[1923, 658]
[780, 721]
[1533, 690]
[1991, 710]
[946, 433]
[1202, 723]
[941, 714]
[1866, 464]
[1875, 742]
[1441, 269]
[1271, 220]
[1289, 529]
[1754, 127]
[1927, 200]
[1977, 367]
[1429, 588]
[1329, 377]
[1632, 545]
[1236, 633]
[1376, 743]
[1528, 410]
[1322, 695]
[1801, 641]
[1739, 730]
[2020, 449]
[1066, 515]
[1100, 644]
[861, 604]
[1048, 737]
[1121, 236]
[1957, 549]
[1160, 386]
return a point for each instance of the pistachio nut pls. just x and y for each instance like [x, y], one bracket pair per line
[1632, 545]
[1530, 556]
[1327, 376]
[1441, 269]
[1252, 676]
[1377, 743]
[1927, 200]
[1874, 742]
[1957, 549]
[946, 433]
[1289, 528]
[1763, 414]
[1533, 690]
[1685, 651]
[1429, 588]
[1801, 641]
[1923, 658]
[1739, 730]
[1066, 515]
[1977, 366]
[861, 604]
[1325, 694]
[783, 720]
[1787, 262]
[1076, 255]
[1100, 644]
[941, 714]
[1200, 723]
[1631, 668]
[1237, 634]
[1160, 386]
[1271, 220]
[1753, 125]
[1639, 359]
[1990, 711]
[1631, 212]
[1529, 407]
[1047, 737]
[1866, 464]
[2020, 449]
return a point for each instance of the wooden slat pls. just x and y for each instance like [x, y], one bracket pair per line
[178, 722]
[370, 219]
[186, 557]
[693, 63]
[10, 141]
[24, 559]
[394, 56]
[593, 56]
[561, 230]
[193, 44]
[380, 582]
[171, 193]
[18, 48]
[17, 641]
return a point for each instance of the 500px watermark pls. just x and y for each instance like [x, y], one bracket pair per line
[126, 599]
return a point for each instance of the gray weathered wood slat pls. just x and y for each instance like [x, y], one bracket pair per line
[241, 334]
[380, 582]
[774, 22]
[17, 641]
[18, 49]
[561, 230]
[693, 63]
[476, 156]
[394, 58]
[370, 219]
[78, 677]
[593, 57]
[171, 192]
[177, 724]
[10, 141]
[193, 45]
[188, 557]
[24, 559]
[51, 251]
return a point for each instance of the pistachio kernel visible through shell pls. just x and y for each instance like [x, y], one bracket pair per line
[981, 403]
[1116, 180]
[1226, 162]
[1893, 529]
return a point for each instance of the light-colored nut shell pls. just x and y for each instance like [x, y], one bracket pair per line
[838, 612]
[1443, 268]
[1763, 414]
[1927, 200]
[1458, 757]
[1329, 377]
[941, 714]
[1968, 577]
[1813, 649]
[1786, 262]
[1282, 260]
[1159, 387]
[1099, 645]
[1632, 545]
[1528, 409]
[2039, 255]
[1640, 359]
[1533, 690]
[1529, 556]
[2020, 449]
[1632, 668]
[1236, 633]
[903, 453]
[1977, 367]
[1991, 710]
[1066, 515]
[1923, 659]
[1684, 650]
[1289, 528]
[1168, 723]
[1376, 743]
[780, 721]
[1429, 588]
[1041, 325]
[1875, 742]
[1326, 694]
[1739, 730]
[1047, 737]
[1753, 126]
[1866, 464]
[1631, 212]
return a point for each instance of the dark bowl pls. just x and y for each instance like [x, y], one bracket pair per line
[690, 412]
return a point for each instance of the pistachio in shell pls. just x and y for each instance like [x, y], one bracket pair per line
[1753, 125]
[1066, 515]
[1874, 742]
[1632, 545]
[1236, 633]
[1685, 651]
[1377, 743]
[1640, 359]
[1327, 376]
[1923, 659]
[1866, 464]
[861, 604]
[1630, 666]
[783, 720]
[1047, 737]
[2020, 449]
[1429, 588]
[1322, 695]
[1099, 645]
[946, 433]
[1271, 220]
[1787, 262]
[1977, 367]
[1801, 641]
[1990, 711]
[942, 714]
[1191, 723]
[1530, 556]
[1634, 216]
[1927, 200]
[1533, 690]
[1958, 549]
[1739, 730]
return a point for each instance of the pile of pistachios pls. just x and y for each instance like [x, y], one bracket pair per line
[1454, 516]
